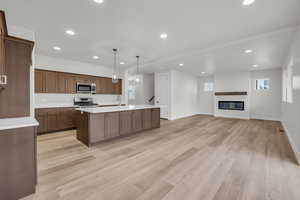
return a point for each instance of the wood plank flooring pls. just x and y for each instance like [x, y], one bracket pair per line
[201, 158]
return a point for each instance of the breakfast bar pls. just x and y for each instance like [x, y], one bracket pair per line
[98, 124]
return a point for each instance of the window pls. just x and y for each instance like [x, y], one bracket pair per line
[208, 87]
[262, 84]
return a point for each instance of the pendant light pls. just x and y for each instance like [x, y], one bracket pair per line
[114, 77]
[137, 79]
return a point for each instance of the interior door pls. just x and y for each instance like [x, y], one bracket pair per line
[162, 94]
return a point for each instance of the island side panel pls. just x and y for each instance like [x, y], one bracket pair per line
[155, 117]
[17, 149]
[96, 128]
[82, 124]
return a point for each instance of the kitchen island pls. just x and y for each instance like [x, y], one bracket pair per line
[98, 124]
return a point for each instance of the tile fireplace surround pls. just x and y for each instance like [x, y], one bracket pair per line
[230, 110]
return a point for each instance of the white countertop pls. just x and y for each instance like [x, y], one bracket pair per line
[20, 122]
[116, 108]
[64, 105]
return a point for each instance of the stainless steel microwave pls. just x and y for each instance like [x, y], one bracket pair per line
[86, 88]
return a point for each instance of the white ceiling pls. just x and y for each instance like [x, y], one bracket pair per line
[205, 35]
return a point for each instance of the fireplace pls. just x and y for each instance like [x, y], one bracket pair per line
[231, 105]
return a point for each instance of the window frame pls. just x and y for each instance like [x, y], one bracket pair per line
[265, 87]
[208, 86]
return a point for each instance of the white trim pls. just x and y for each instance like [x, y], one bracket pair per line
[292, 143]
[231, 116]
[183, 116]
[205, 113]
[266, 118]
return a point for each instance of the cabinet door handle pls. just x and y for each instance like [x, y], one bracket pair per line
[1, 79]
[4, 77]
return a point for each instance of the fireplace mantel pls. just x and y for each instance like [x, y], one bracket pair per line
[230, 93]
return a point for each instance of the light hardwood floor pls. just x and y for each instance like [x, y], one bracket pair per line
[201, 158]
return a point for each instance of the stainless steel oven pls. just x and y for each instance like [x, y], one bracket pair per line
[86, 88]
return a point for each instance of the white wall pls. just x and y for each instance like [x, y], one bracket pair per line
[266, 104]
[142, 92]
[28, 35]
[64, 65]
[184, 95]
[262, 104]
[205, 99]
[291, 110]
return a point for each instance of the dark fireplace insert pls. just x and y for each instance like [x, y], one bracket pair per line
[231, 105]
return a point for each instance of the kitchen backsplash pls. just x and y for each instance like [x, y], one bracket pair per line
[40, 99]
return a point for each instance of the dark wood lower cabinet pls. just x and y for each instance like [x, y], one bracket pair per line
[93, 128]
[147, 119]
[112, 125]
[18, 163]
[137, 120]
[97, 122]
[52, 120]
[125, 122]
[55, 119]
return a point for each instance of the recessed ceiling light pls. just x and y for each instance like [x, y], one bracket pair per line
[95, 57]
[163, 36]
[57, 48]
[202, 72]
[181, 64]
[248, 2]
[255, 66]
[70, 32]
[248, 51]
[122, 63]
[99, 1]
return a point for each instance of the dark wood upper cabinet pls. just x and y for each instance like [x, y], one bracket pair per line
[61, 83]
[118, 87]
[51, 82]
[100, 85]
[14, 98]
[39, 78]
[70, 84]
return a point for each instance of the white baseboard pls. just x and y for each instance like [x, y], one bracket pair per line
[292, 143]
[203, 113]
[262, 117]
[183, 116]
[232, 116]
